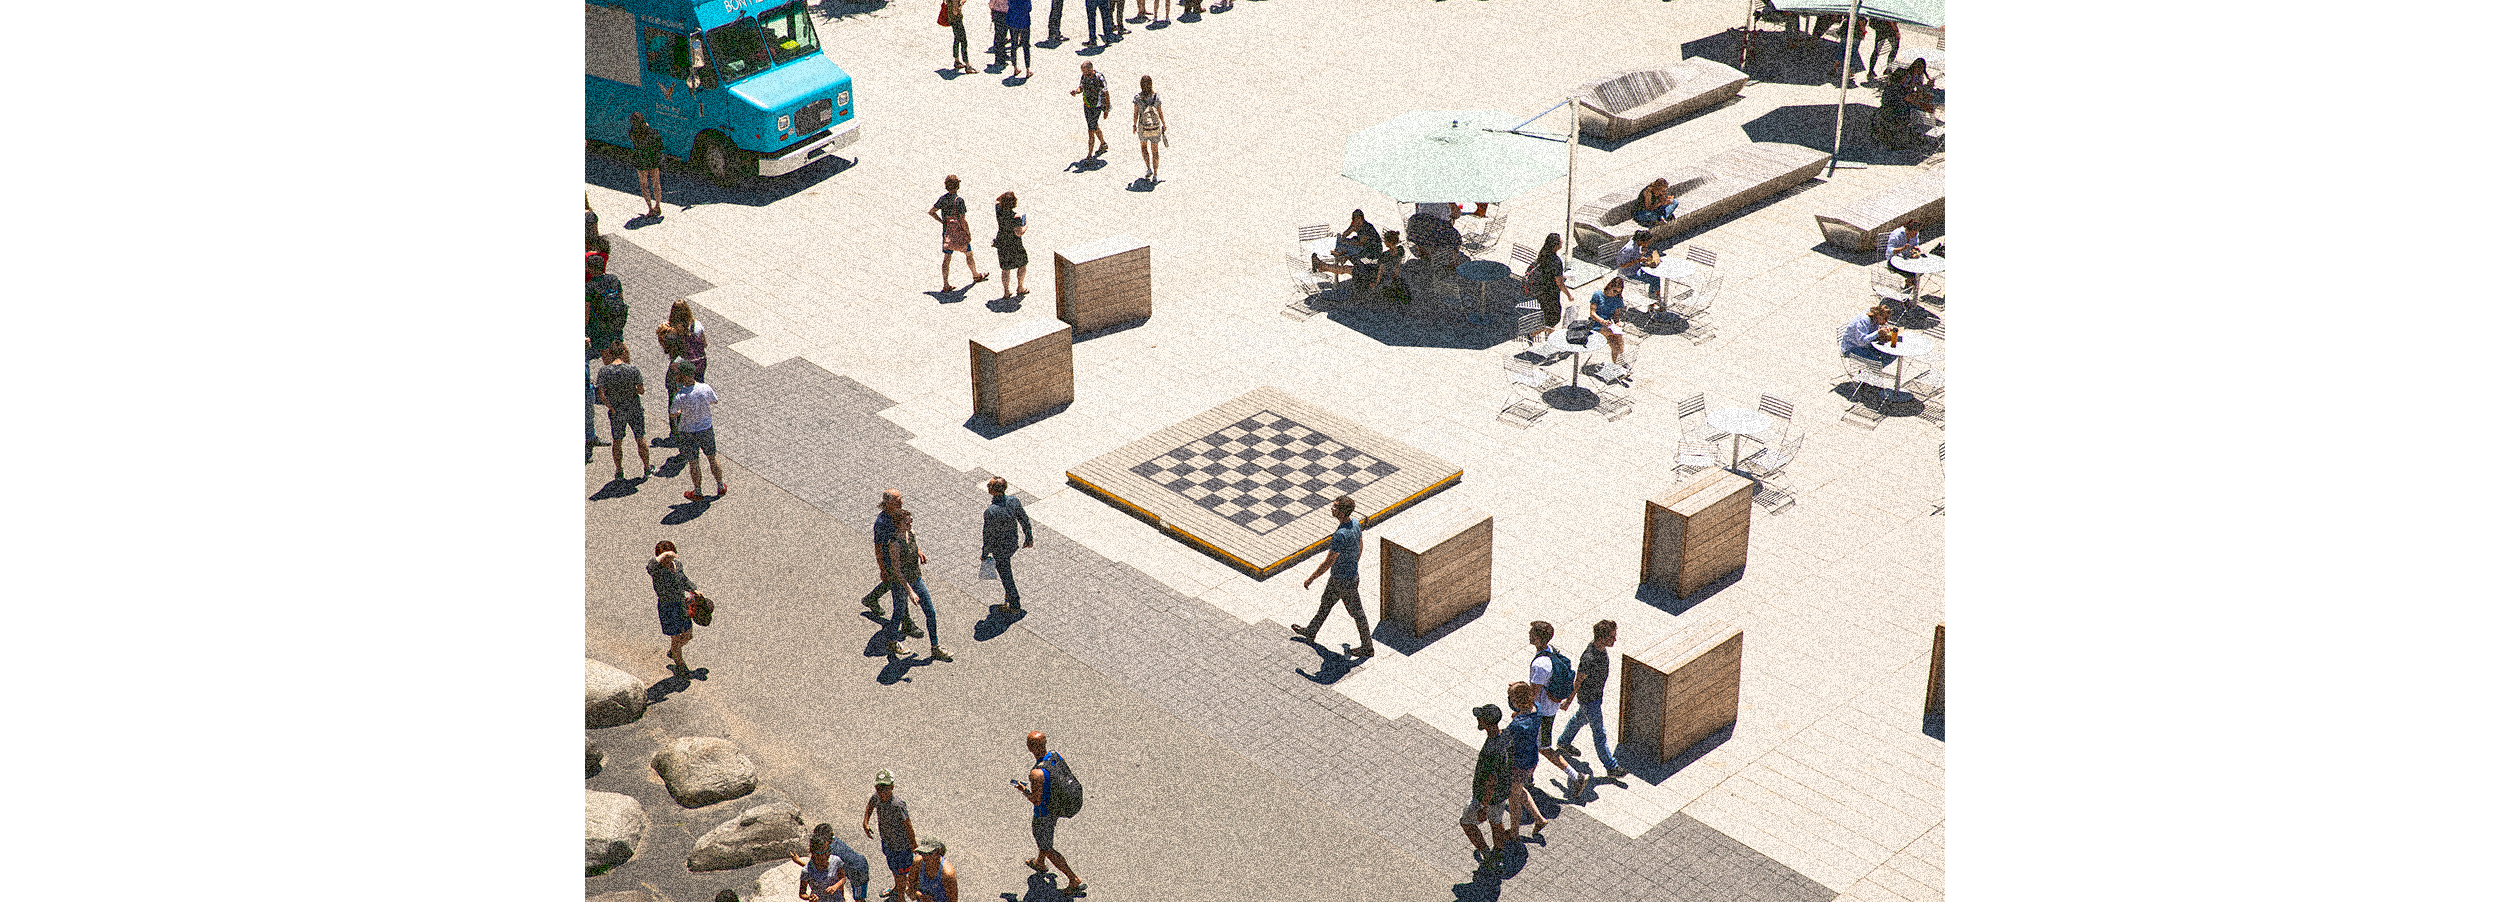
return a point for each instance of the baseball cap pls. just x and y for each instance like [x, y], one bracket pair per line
[885, 777]
[930, 846]
[1488, 714]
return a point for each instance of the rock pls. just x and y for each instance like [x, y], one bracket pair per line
[762, 833]
[780, 884]
[647, 893]
[612, 828]
[592, 758]
[609, 696]
[701, 770]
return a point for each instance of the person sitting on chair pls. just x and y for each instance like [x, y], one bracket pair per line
[1858, 338]
[1606, 312]
[1430, 232]
[1903, 242]
[1656, 205]
[1635, 254]
[1358, 241]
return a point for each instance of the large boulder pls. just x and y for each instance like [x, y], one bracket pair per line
[780, 884]
[701, 770]
[762, 833]
[647, 893]
[612, 828]
[609, 696]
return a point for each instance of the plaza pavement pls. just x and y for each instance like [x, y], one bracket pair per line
[1828, 773]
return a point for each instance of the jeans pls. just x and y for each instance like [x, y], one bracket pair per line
[1003, 559]
[963, 44]
[998, 38]
[1588, 714]
[1869, 354]
[1020, 39]
[1097, 10]
[1055, 33]
[928, 611]
[1634, 274]
[1343, 590]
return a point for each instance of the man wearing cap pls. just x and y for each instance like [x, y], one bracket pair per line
[937, 876]
[892, 828]
[1492, 790]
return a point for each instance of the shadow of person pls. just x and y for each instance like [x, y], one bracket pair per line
[996, 624]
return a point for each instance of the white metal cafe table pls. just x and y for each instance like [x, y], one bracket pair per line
[1671, 270]
[1740, 423]
[1912, 345]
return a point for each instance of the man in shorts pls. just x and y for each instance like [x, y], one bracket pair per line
[1097, 102]
[1045, 825]
[1491, 790]
[892, 828]
[1520, 736]
[620, 387]
[693, 408]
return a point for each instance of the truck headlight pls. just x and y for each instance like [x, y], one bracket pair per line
[784, 122]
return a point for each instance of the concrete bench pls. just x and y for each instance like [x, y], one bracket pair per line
[1104, 283]
[1628, 103]
[1435, 567]
[1023, 369]
[1862, 226]
[1705, 191]
[1679, 690]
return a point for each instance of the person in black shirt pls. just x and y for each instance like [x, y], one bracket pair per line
[1590, 690]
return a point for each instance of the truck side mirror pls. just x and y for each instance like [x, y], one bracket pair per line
[702, 71]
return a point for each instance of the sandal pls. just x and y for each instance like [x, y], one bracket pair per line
[1037, 865]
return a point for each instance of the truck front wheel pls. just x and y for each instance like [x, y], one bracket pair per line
[722, 162]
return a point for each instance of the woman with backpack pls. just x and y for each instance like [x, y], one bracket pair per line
[1149, 122]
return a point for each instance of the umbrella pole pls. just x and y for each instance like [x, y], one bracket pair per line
[1571, 183]
[1848, 52]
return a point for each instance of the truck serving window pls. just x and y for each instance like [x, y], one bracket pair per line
[790, 31]
[739, 50]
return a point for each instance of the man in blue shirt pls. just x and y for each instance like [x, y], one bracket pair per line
[1635, 254]
[1857, 339]
[1345, 553]
[889, 573]
[1903, 242]
[1522, 734]
[998, 540]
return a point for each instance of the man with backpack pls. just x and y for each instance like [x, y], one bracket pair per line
[1055, 793]
[1550, 672]
[1097, 102]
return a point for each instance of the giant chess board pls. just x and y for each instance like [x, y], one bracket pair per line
[1251, 480]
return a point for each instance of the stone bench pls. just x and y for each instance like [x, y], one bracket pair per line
[1628, 103]
[1104, 283]
[1935, 674]
[1726, 182]
[1862, 226]
[1022, 370]
[1696, 532]
[1434, 567]
[1679, 690]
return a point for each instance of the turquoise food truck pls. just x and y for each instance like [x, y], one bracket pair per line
[739, 88]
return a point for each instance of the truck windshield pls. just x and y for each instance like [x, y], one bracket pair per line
[790, 31]
[739, 49]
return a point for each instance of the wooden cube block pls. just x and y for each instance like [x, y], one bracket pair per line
[1935, 674]
[1696, 532]
[1681, 689]
[1434, 567]
[1023, 369]
[1104, 283]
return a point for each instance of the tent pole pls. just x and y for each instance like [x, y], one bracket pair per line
[1571, 183]
[1848, 53]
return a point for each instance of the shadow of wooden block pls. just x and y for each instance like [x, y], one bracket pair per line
[1935, 674]
[1435, 568]
[1680, 690]
[1696, 532]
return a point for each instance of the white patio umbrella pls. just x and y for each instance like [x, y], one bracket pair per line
[1464, 156]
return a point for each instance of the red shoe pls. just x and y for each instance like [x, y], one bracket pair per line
[691, 496]
[724, 492]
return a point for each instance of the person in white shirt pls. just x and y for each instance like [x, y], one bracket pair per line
[1903, 242]
[692, 406]
[1858, 338]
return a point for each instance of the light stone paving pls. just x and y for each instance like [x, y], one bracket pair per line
[1827, 771]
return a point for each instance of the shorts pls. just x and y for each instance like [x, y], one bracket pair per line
[1545, 731]
[1046, 833]
[1497, 814]
[621, 418]
[898, 860]
[697, 440]
[673, 621]
[1093, 119]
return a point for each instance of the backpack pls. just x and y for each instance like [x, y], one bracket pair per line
[1559, 687]
[1150, 117]
[1067, 796]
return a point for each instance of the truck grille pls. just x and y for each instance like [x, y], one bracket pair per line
[814, 116]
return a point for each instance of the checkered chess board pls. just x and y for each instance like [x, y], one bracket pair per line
[1265, 471]
[1252, 480]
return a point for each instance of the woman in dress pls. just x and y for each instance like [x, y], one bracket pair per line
[1149, 121]
[956, 235]
[1544, 283]
[646, 162]
[1010, 245]
[668, 580]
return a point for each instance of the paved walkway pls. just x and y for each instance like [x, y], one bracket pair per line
[820, 283]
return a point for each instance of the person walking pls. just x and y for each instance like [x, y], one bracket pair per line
[1521, 738]
[647, 156]
[1551, 674]
[963, 42]
[693, 409]
[677, 597]
[892, 828]
[1345, 552]
[937, 875]
[1097, 103]
[1150, 122]
[1020, 37]
[998, 540]
[1009, 243]
[1590, 691]
[1544, 283]
[831, 867]
[1491, 791]
[620, 388]
[1047, 766]
[998, 34]
[907, 559]
[881, 535]
[956, 235]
